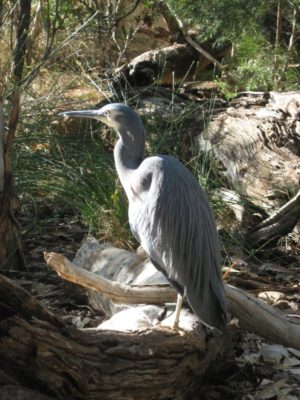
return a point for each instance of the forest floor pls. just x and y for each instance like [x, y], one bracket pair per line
[253, 369]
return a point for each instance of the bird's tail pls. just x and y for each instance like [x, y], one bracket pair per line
[211, 307]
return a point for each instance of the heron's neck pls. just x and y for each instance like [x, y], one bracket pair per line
[128, 156]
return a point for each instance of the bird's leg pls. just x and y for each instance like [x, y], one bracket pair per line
[177, 311]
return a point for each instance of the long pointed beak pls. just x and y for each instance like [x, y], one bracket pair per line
[84, 114]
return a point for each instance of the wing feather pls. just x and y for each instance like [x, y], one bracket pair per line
[171, 216]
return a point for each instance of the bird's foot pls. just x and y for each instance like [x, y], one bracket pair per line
[175, 326]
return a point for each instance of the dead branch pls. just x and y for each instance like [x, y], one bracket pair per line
[209, 57]
[253, 314]
[279, 223]
[115, 291]
[258, 317]
[171, 21]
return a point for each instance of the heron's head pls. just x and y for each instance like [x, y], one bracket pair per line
[116, 115]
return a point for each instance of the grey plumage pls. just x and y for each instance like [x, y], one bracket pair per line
[169, 215]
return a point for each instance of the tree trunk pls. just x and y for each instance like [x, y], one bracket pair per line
[10, 253]
[10, 249]
[292, 37]
[278, 23]
[278, 29]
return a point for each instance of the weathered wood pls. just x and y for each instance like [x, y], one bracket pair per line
[256, 146]
[279, 223]
[37, 350]
[258, 317]
[9, 392]
[116, 291]
[253, 314]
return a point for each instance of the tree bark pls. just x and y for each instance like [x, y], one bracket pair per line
[10, 248]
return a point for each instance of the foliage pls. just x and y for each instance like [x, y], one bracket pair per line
[79, 42]
[250, 27]
[254, 64]
[73, 170]
[220, 21]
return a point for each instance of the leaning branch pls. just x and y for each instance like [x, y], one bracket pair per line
[253, 314]
[220, 66]
[279, 223]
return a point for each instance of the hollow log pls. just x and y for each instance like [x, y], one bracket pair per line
[39, 351]
[171, 64]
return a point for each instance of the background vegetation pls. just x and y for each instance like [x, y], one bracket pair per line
[72, 48]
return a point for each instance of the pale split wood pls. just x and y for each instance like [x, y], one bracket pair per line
[254, 315]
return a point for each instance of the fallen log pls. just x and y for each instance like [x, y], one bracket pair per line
[182, 60]
[39, 351]
[255, 143]
[254, 315]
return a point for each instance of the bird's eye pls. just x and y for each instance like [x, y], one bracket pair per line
[107, 113]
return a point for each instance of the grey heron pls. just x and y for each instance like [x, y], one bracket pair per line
[169, 214]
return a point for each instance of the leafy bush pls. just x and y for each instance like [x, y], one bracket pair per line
[260, 66]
